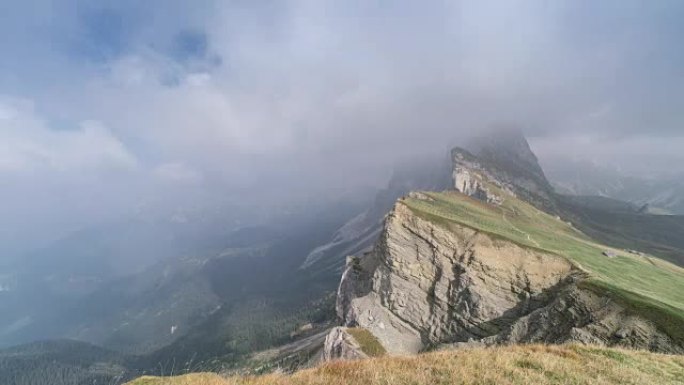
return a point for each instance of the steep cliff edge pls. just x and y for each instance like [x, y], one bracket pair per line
[424, 284]
[449, 270]
[493, 263]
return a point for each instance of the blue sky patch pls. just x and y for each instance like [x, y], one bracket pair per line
[190, 45]
[104, 34]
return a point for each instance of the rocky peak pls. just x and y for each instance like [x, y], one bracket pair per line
[431, 284]
[504, 159]
[507, 146]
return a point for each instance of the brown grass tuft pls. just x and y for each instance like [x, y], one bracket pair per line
[509, 365]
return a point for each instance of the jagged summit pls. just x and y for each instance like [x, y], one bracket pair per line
[502, 154]
[504, 158]
[507, 146]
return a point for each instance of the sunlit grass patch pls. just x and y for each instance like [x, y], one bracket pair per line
[368, 342]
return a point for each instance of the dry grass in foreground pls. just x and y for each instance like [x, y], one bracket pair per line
[520, 365]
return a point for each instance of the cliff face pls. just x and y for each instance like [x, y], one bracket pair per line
[468, 176]
[340, 344]
[438, 277]
[515, 171]
[426, 285]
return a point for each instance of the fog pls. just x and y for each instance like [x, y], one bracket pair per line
[110, 110]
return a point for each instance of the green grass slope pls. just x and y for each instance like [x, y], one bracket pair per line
[661, 235]
[650, 286]
[504, 365]
[368, 342]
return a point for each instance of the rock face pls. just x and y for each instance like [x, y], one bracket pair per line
[505, 160]
[341, 345]
[468, 177]
[503, 157]
[425, 286]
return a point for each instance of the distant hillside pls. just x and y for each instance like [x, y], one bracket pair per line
[510, 365]
[62, 362]
[586, 178]
[205, 312]
[660, 235]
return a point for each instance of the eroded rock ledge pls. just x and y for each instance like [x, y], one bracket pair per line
[424, 286]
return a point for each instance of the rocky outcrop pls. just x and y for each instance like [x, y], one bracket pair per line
[468, 177]
[581, 315]
[502, 158]
[425, 286]
[339, 344]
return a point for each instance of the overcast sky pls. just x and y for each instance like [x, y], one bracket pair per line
[108, 106]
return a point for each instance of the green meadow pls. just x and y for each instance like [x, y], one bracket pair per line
[647, 285]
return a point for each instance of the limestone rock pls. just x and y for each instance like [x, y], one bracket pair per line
[423, 286]
[340, 345]
[468, 178]
[504, 159]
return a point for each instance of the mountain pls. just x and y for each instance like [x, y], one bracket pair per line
[660, 235]
[45, 292]
[493, 263]
[630, 225]
[498, 258]
[505, 159]
[449, 269]
[663, 194]
[179, 304]
[432, 174]
[203, 311]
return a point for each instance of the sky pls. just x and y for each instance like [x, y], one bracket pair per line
[111, 107]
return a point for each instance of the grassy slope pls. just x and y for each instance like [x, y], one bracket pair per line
[660, 235]
[368, 342]
[650, 286]
[506, 365]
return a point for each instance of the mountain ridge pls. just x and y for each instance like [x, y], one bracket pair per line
[444, 270]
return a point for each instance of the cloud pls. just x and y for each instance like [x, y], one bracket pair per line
[641, 156]
[27, 143]
[177, 173]
[318, 97]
